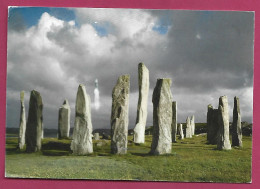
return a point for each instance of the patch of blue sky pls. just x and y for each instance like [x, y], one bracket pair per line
[103, 28]
[31, 15]
[163, 24]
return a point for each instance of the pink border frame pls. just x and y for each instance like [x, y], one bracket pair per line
[248, 5]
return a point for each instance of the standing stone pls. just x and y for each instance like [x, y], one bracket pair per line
[162, 118]
[181, 132]
[82, 134]
[143, 81]
[223, 142]
[34, 124]
[22, 126]
[119, 115]
[96, 136]
[236, 125]
[64, 120]
[174, 121]
[192, 123]
[42, 131]
[188, 128]
[212, 125]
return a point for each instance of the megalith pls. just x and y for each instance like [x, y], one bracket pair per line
[143, 81]
[119, 115]
[236, 125]
[162, 118]
[22, 126]
[64, 120]
[188, 128]
[34, 125]
[96, 136]
[212, 125]
[223, 142]
[174, 121]
[81, 143]
[192, 123]
[181, 132]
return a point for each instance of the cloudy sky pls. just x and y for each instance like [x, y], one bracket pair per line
[207, 54]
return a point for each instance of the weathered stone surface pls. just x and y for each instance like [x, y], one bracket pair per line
[223, 142]
[181, 132]
[96, 136]
[22, 126]
[82, 134]
[143, 81]
[162, 117]
[119, 115]
[212, 125]
[192, 124]
[34, 124]
[188, 128]
[64, 120]
[236, 125]
[174, 121]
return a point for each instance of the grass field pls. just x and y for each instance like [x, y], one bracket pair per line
[191, 160]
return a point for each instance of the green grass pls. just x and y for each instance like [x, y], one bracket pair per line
[191, 160]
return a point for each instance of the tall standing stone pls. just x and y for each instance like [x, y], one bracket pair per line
[212, 125]
[119, 115]
[162, 117]
[181, 132]
[223, 142]
[64, 120]
[22, 126]
[188, 128]
[174, 121]
[34, 124]
[236, 125]
[143, 81]
[82, 134]
[192, 123]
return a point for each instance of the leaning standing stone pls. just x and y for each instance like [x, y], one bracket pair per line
[236, 125]
[188, 128]
[223, 121]
[64, 120]
[119, 115]
[162, 117]
[192, 123]
[143, 81]
[34, 124]
[181, 132]
[82, 134]
[22, 126]
[174, 120]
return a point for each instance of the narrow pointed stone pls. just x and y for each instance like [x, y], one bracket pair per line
[236, 125]
[82, 134]
[143, 81]
[192, 123]
[22, 126]
[223, 142]
[64, 120]
[188, 128]
[119, 115]
[174, 121]
[162, 118]
[181, 132]
[212, 125]
[35, 123]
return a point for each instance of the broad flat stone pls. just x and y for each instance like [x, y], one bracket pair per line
[212, 125]
[119, 115]
[174, 121]
[22, 126]
[181, 132]
[34, 126]
[162, 118]
[236, 125]
[82, 134]
[64, 120]
[223, 142]
[143, 81]
[188, 128]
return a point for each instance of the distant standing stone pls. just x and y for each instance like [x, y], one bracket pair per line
[188, 128]
[223, 142]
[174, 120]
[82, 134]
[96, 136]
[212, 125]
[192, 123]
[22, 126]
[34, 124]
[236, 125]
[143, 81]
[162, 118]
[64, 120]
[119, 115]
[181, 132]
